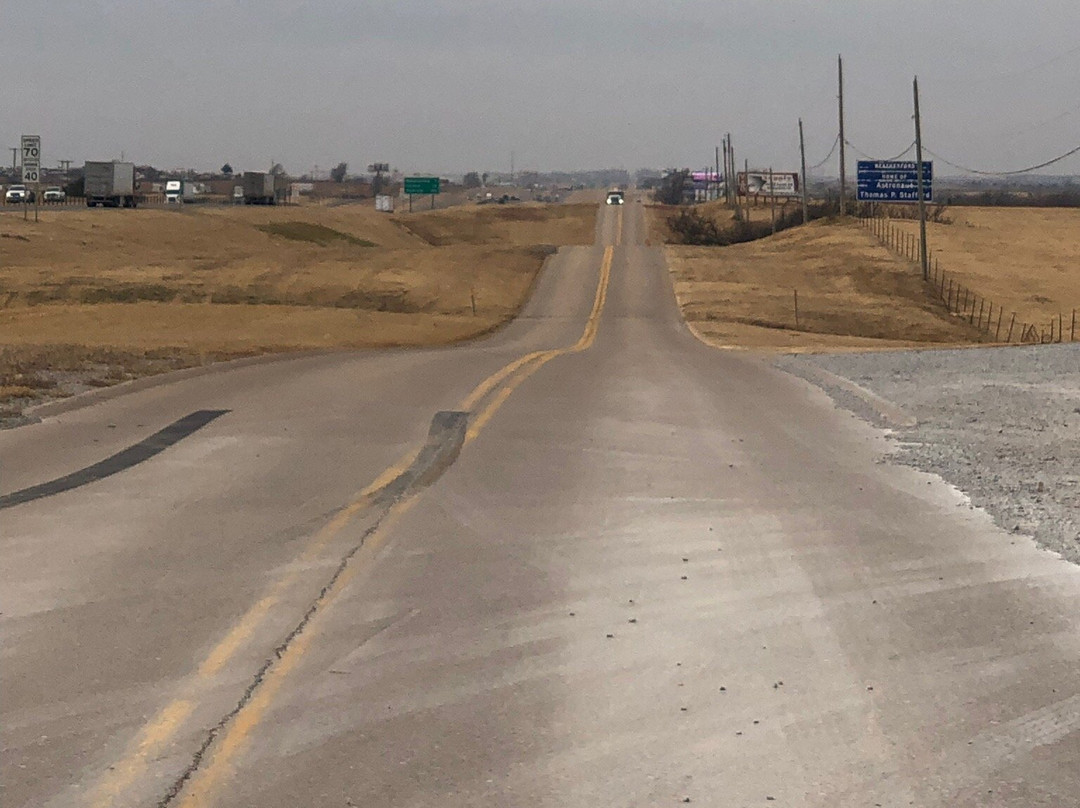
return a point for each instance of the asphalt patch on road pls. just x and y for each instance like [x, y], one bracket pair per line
[446, 436]
[121, 461]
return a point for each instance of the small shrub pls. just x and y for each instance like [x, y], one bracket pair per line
[128, 293]
[692, 227]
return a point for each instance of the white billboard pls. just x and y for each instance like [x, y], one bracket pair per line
[775, 183]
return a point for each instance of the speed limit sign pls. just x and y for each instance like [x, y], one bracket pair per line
[31, 158]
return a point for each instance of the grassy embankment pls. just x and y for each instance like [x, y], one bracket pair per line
[89, 298]
[854, 294]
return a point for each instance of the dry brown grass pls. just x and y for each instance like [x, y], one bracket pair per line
[1026, 260]
[855, 294]
[528, 223]
[852, 293]
[86, 287]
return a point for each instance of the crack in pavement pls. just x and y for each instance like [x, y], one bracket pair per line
[446, 436]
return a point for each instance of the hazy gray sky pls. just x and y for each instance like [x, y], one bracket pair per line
[454, 85]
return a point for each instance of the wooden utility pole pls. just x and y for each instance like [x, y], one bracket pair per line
[772, 200]
[843, 174]
[727, 170]
[802, 154]
[717, 178]
[731, 179]
[746, 170]
[922, 187]
[727, 174]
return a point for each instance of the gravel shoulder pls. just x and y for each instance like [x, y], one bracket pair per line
[1001, 424]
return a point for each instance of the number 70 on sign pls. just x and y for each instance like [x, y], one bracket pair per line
[31, 157]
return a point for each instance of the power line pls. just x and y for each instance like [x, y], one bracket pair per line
[1057, 159]
[866, 156]
[827, 156]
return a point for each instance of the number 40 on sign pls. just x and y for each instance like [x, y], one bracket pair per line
[31, 158]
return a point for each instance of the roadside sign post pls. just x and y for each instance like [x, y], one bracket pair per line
[894, 181]
[378, 169]
[30, 145]
[422, 186]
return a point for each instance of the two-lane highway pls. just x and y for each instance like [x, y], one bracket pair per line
[653, 572]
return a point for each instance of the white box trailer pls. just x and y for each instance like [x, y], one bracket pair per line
[263, 188]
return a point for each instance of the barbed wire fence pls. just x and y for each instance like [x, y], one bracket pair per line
[959, 299]
[994, 320]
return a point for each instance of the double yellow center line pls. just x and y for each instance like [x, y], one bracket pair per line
[198, 785]
[511, 376]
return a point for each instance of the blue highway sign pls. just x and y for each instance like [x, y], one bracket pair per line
[894, 181]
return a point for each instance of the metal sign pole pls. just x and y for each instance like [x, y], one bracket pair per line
[30, 146]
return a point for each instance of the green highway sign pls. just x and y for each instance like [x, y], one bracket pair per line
[421, 185]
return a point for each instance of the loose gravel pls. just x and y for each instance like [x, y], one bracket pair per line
[1001, 424]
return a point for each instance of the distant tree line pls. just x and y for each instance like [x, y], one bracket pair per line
[1068, 197]
[671, 189]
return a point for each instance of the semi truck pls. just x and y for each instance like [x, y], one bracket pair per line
[263, 188]
[179, 191]
[110, 184]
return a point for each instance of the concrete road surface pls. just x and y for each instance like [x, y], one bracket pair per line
[618, 568]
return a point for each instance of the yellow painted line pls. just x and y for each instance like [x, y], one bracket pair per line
[587, 338]
[200, 788]
[481, 419]
[164, 726]
[496, 378]
[156, 734]
[152, 737]
[243, 629]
